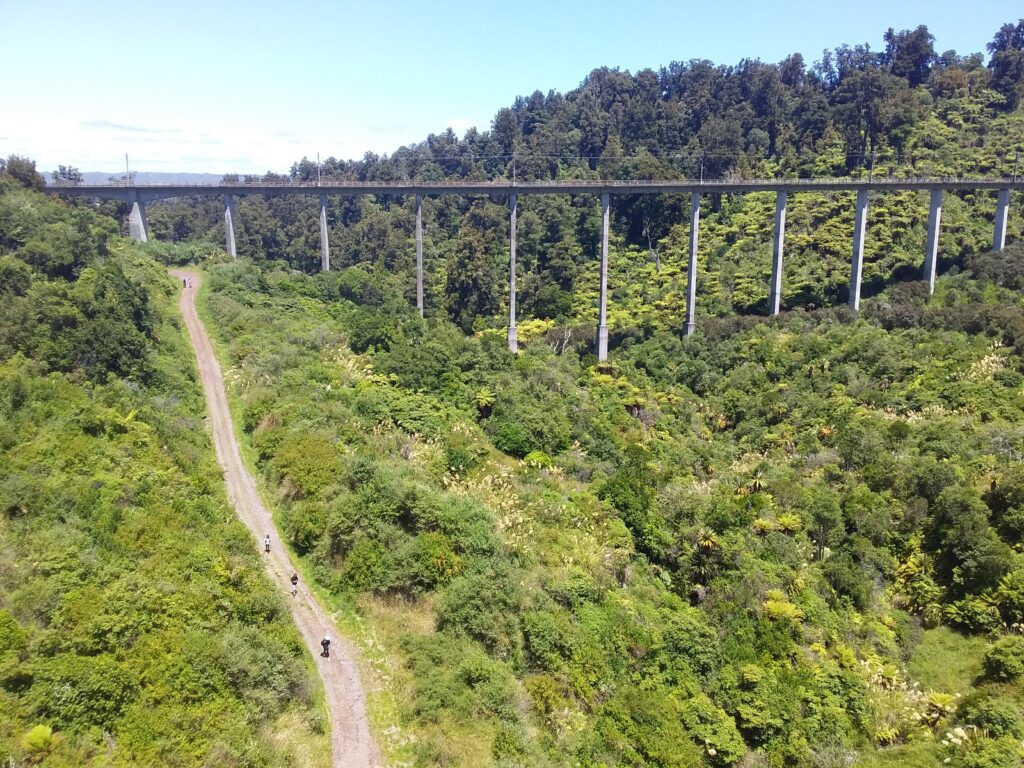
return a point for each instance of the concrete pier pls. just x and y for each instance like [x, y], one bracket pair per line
[857, 264]
[1002, 209]
[229, 225]
[325, 243]
[138, 226]
[931, 245]
[135, 196]
[691, 270]
[775, 289]
[513, 343]
[419, 254]
[602, 311]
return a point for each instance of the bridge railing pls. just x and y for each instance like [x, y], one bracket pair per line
[837, 181]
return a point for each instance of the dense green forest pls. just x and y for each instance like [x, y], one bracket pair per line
[786, 542]
[906, 110]
[136, 625]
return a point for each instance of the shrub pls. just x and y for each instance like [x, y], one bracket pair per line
[38, 741]
[368, 565]
[481, 604]
[430, 561]
[1005, 659]
[304, 523]
[647, 727]
[12, 636]
[997, 716]
[523, 421]
[711, 727]
[80, 691]
[310, 463]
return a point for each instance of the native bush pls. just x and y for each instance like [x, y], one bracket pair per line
[1005, 659]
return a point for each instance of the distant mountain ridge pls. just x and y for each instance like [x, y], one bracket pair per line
[100, 177]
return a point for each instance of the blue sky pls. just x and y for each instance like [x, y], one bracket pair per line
[201, 85]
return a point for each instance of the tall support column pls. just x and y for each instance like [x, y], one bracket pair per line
[602, 312]
[691, 271]
[857, 265]
[931, 246]
[1002, 208]
[137, 224]
[229, 224]
[419, 254]
[325, 243]
[513, 344]
[775, 289]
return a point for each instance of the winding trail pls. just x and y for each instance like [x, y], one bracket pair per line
[352, 745]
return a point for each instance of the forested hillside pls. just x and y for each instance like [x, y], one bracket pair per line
[905, 110]
[136, 627]
[786, 543]
[791, 542]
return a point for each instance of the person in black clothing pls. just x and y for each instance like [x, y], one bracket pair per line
[295, 583]
[326, 645]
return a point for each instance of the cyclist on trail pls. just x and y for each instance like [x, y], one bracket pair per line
[326, 645]
[266, 544]
[295, 583]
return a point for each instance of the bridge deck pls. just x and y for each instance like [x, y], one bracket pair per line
[560, 187]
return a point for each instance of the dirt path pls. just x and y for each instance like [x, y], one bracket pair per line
[352, 745]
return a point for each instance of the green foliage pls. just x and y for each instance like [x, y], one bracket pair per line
[480, 604]
[1005, 659]
[308, 463]
[136, 626]
[38, 741]
[715, 549]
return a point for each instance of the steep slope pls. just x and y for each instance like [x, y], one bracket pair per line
[747, 547]
[352, 743]
[136, 626]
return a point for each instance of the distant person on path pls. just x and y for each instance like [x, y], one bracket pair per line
[326, 645]
[295, 583]
[266, 544]
[184, 283]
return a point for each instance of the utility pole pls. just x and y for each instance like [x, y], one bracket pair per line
[128, 173]
[701, 167]
[871, 168]
[1016, 159]
[513, 167]
[318, 169]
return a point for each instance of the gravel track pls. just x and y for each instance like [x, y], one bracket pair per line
[352, 744]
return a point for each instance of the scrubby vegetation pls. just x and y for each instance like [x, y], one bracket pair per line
[785, 543]
[710, 550]
[136, 625]
[794, 542]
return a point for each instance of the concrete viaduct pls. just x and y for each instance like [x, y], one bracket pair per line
[138, 195]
